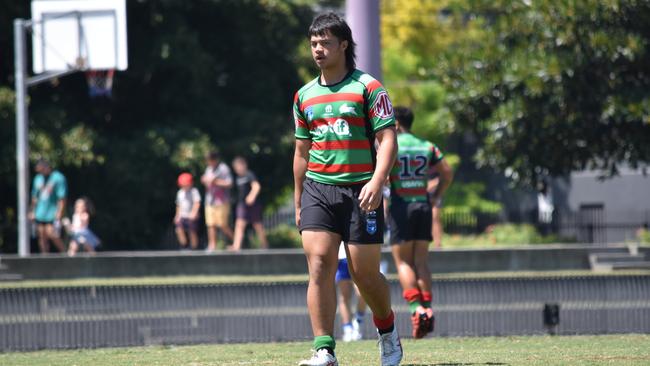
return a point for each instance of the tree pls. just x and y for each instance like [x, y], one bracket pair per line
[551, 87]
[202, 75]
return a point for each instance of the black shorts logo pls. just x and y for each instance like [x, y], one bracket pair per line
[371, 222]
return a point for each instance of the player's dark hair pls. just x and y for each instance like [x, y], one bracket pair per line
[340, 29]
[404, 116]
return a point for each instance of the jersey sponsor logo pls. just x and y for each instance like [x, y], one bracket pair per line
[345, 109]
[309, 112]
[339, 127]
[328, 109]
[382, 107]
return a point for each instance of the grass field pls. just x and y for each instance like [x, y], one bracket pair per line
[535, 350]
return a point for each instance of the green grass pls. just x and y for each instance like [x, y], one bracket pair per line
[536, 350]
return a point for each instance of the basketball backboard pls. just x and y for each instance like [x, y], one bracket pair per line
[79, 34]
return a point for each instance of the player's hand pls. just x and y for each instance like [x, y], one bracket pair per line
[177, 220]
[371, 195]
[297, 216]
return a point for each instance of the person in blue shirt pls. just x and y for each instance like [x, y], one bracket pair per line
[49, 191]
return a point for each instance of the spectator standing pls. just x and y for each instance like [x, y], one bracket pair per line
[249, 209]
[188, 203]
[217, 180]
[49, 192]
[81, 235]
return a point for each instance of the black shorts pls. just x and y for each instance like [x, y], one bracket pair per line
[336, 209]
[409, 221]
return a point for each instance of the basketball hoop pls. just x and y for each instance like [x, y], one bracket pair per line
[100, 83]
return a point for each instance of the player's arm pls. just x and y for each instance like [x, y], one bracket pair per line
[371, 193]
[300, 164]
[445, 177]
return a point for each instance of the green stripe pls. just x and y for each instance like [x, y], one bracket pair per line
[340, 156]
[340, 178]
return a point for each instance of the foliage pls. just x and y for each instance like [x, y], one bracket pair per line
[198, 78]
[513, 234]
[467, 198]
[502, 235]
[284, 236]
[643, 235]
[551, 87]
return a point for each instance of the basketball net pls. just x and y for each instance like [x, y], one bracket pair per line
[100, 83]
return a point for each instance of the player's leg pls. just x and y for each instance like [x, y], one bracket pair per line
[364, 267]
[345, 287]
[321, 227]
[424, 280]
[321, 250]
[436, 227]
[421, 261]
[404, 257]
[359, 315]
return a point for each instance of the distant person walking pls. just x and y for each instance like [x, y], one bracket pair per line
[81, 235]
[217, 180]
[188, 204]
[249, 209]
[410, 217]
[49, 192]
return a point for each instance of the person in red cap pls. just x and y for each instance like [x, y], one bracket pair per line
[188, 203]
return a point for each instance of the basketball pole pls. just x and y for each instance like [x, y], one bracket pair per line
[22, 143]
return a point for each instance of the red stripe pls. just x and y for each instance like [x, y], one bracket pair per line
[411, 191]
[340, 168]
[373, 85]
[295, 98]
[352, 121]
[301, 123]
[330, 98]
[341, 145]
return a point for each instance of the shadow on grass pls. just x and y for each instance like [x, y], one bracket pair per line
[458, 364]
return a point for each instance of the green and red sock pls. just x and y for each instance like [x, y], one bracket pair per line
[386, 325]
[325, 342]
[412, 296]
[426, 299]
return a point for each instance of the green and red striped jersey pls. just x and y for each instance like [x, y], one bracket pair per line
[341, 121]
[408, 178]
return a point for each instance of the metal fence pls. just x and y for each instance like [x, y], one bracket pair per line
[108, 316]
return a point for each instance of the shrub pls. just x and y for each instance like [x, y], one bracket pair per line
[513, 234]
[284, 236]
